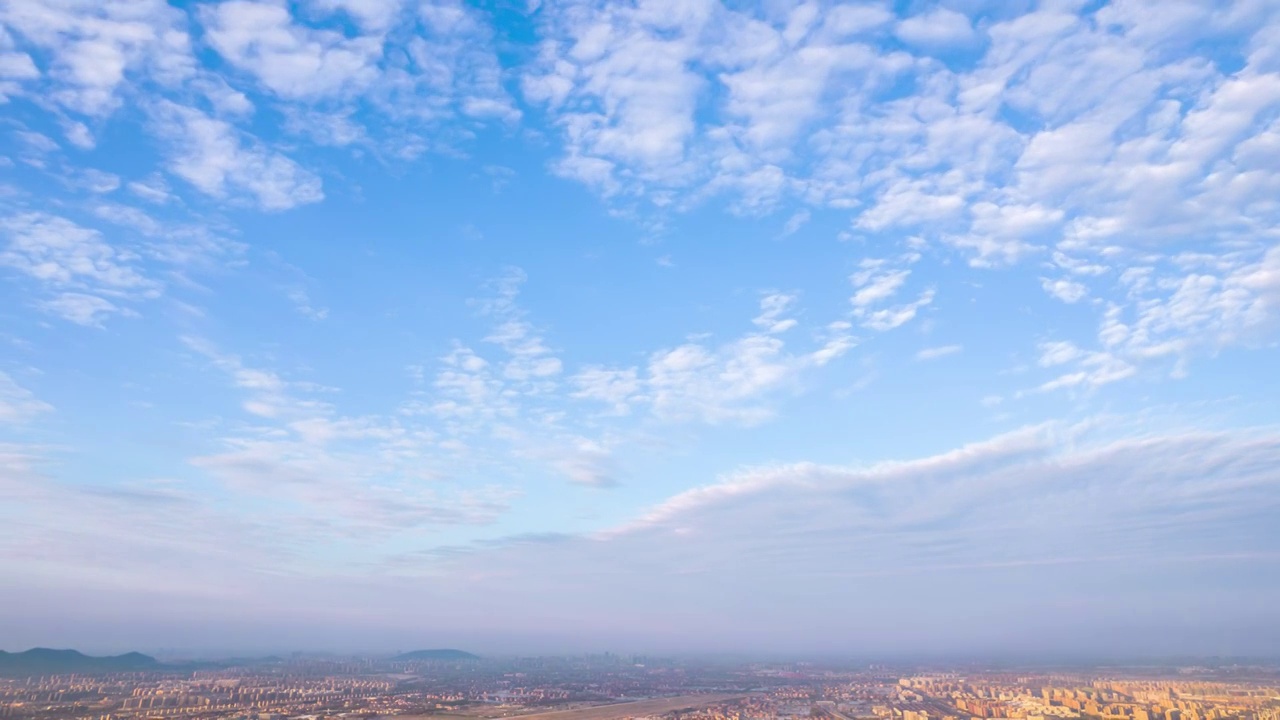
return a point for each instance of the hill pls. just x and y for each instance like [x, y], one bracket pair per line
[439, 654]
[43, 661]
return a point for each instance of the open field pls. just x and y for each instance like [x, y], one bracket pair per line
[614, 711]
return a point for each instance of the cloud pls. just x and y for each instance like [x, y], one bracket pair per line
[624, 84]
[361, 474]
[586, 462]
[184, 247]
[933, 353]
[95, 47]
[221, 162]
[348, 90]
[530, 359]
[997, 521]
[1100, 137]
[1080, 508]
[302, 303]
[617, 388]
[967, 517]
[1068, 291]
[97, 181]
[794, 223]
[509, 400]
[293, 61]
[874, 288]
[889, 318]
[82, 275]
[878, 280]
[372, 15]
[1092, 369]
[937, 28]
[154, 190]
[80, 308]
[1192, 306]
[732, 383]
[773, 308]
[17, 404]
[333, 88]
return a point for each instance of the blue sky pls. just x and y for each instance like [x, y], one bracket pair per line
[809, 327]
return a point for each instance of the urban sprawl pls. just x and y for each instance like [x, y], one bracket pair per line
[611, 687]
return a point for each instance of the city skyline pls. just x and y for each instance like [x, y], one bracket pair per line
[612, 687]
[911, 328]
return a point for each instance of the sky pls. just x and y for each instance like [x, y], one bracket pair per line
[652, 325]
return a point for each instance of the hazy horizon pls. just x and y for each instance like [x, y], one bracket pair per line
[929, 327]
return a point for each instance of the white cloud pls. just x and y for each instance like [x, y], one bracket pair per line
[1098, 137]
[78, 134]
[585, 462]
[182, 246]
[795, 222]
[1091, 369]
[1068, 291]
[1174, 316]
[95, 46]
[128, 216]
[692, 382]
[889, 318]
[1045, 504]
[530, 359]
[618, 388]
[373, 15]
[878, 280]
[363, 474]
[37, 142]
[74, 264]
[16, 66]
[624, 85]
[302, 303]
[773, 308]
[875, 288]
[17, 404]
[937, 28]
[333, 87]
[80, 308]
[97, 181]
[733, 383]
[292, 60]
[220, 161]
[152, 190]
[635, 94]
[933, 353]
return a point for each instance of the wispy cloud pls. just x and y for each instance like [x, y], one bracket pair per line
[941, 351]
[82, 277]
[18, 404]
[218, 160]
[734, 382]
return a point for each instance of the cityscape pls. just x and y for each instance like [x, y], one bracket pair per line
[452, 685]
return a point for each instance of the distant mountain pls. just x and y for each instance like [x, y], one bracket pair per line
[440, 654]
[43, 661]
